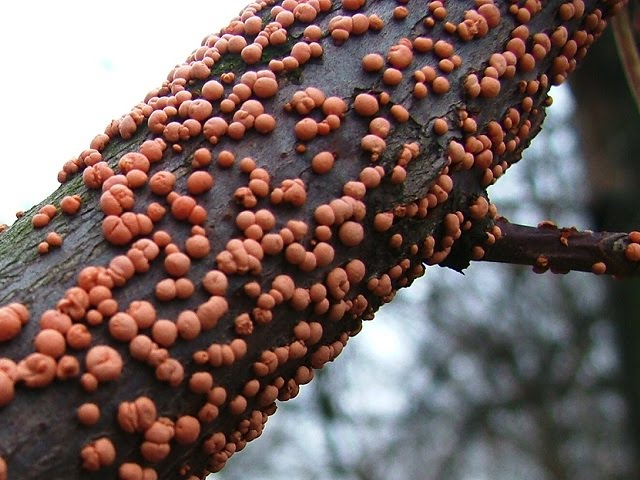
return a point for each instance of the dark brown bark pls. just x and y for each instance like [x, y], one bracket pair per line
[561, 250]
[40, 437]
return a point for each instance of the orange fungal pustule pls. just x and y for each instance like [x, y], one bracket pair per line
[104, 362]
[12, 317]
[98, 454]
[7, 389]
[88, 414]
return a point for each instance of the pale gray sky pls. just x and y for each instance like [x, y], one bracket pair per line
[68, 68]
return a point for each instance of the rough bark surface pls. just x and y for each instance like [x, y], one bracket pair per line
[562, 250]
[40, 435]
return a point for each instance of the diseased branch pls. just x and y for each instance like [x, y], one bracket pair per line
[560, 250]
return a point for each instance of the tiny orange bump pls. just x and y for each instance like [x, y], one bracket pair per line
[632, 252]
[199, 182]
[170, 371]
[68, 367]
[177, 264]
[40, 220]
[306, 129]
[351, 233]
[37, 370]
[366, 104]
[400, 56]
[400, 13]
[334, 106]
[162, 182]
[49, 210]
[70, 204]
[264, 123]
[104, 362]
[123, 327]
[130, 471]
[226, 159]
[166, 290]
[188, 325]
[50, 342]
[98, 454]
[201, 158]
[440, 126]
[322, 162]
[88, 414]
[440, 85]
[142, 312]
[88, 382]
[78, 336]
[197, 246]
[265, 87]
[392, 77]
[399, 113]
[187, 429]
[54, 239]
[12, 317]
[42, 248]
[7, 393]
[420, 90]
[372, 62]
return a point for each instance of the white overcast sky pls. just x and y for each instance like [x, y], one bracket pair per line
[69, 67]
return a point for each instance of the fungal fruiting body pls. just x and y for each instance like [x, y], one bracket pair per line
[257, 194]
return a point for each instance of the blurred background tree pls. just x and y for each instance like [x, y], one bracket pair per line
[538, 378]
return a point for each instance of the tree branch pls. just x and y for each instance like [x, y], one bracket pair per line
[547, 247]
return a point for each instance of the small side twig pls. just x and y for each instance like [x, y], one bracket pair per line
[560, 250]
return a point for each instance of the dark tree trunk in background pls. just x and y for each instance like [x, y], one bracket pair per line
[608, 122]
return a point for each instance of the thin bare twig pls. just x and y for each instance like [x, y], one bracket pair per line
[547, 247]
